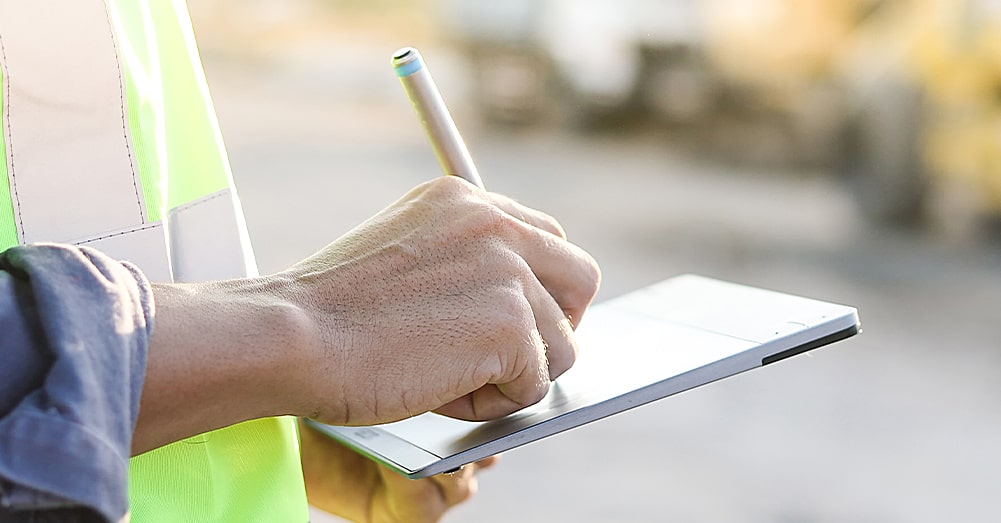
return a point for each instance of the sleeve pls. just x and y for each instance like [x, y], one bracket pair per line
[74, 331]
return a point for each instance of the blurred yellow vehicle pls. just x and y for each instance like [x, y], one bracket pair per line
[902, 95]
[913, 88]
[955, 61]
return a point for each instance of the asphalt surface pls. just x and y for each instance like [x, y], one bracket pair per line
[899, 424]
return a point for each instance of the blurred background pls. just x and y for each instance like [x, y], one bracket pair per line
[848, 150]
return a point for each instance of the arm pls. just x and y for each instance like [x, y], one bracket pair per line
[451, 299]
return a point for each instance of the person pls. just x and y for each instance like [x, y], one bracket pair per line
[451, 300]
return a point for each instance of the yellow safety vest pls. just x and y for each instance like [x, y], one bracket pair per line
[111, 141]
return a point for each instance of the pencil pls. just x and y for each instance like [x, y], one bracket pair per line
[441, 131]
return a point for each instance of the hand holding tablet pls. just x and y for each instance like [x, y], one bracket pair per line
[669, 337]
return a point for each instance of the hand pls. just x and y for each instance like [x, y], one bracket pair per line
[351, 486]
[451, 299]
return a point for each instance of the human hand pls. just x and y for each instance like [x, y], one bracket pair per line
[353, 487]
[451, 299]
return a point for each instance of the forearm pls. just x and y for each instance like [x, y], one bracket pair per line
[221, 353]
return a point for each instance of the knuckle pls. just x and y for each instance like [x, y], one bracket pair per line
[549, 224]
[584, 286]
[536, 394]
[559, 365]
[513, 316]
[486, 223]
[495, 222]
[499, 263]
[514, 330]
[448, 187]
[563, 354]
[592, 278]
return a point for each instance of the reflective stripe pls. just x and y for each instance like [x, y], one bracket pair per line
[65, 145]
[204, 235]
[144, 246]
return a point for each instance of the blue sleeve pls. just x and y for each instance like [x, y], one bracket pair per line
[74, 330]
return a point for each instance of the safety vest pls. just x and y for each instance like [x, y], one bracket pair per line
[111, 141]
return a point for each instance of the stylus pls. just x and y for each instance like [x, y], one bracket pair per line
[438, 124]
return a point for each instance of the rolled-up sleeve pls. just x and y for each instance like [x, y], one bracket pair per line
[74, 331]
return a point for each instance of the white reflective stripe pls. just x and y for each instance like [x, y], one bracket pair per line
[145, 246]
[209, 241]
[65, 122]
[71, 167]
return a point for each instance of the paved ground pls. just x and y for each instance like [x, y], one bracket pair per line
[900, 424]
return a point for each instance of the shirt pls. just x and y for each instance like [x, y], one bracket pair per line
[74, 331]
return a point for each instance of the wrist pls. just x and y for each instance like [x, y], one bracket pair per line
[315, 336]
[221, 353]
[277, 340]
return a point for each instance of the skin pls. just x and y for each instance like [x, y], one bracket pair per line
[353, 487]
[451, 300]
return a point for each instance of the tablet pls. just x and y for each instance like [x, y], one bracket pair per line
[646, 345]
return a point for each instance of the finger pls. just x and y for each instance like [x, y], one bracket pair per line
[484, 403]
[457, 486]
[405, 500]
[529, 384]
[528, 215]
[486, 463]
[455, 188]
[554, 327]
[568, 273]
[547, 351]
[521, 377]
